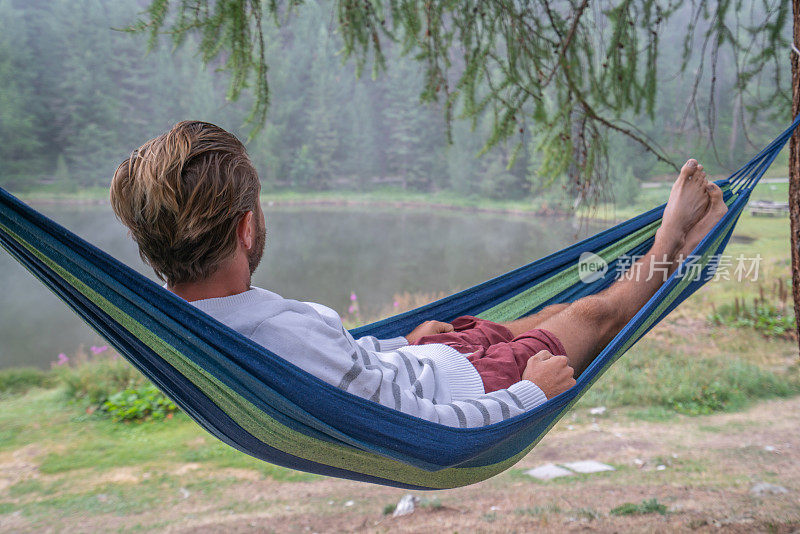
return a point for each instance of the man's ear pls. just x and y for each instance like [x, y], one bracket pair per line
[245, 231]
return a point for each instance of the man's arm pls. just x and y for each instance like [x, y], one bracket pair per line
[428, 328]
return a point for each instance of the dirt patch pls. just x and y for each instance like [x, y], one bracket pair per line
[690, 328]
[183, 469]
[19, 465]
[120, 475]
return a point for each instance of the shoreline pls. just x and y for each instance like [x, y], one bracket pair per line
[341, 200]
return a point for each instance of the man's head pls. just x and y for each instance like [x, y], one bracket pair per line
[187, 196]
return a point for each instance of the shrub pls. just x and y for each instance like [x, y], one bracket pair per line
[95, 379]
[145, 402]
[769, 314]
[109, 385]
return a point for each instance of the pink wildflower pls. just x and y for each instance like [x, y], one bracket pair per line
[98, 350]
[62, 359]
[351, 309]
[396, 304]
[353, 296]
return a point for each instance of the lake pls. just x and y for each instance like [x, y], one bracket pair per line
[313, 253]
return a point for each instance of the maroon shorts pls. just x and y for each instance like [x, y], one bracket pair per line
[499, 357]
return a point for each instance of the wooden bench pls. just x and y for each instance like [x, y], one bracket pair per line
[768, 208]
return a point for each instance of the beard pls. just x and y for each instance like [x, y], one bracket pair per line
[255, 254]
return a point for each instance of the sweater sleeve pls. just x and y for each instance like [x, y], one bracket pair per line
[382, 345]
[482, 410]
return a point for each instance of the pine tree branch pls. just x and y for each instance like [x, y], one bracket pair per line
[567, 42]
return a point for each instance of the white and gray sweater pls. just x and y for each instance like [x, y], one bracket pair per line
[433, 382]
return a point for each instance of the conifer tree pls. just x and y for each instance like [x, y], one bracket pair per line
[18, 140]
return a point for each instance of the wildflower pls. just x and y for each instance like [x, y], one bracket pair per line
[353, 296]
[62, 359]
[396, 304]
[98, 350]
[351, 309]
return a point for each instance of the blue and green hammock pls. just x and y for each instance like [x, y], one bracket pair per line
[259, 403]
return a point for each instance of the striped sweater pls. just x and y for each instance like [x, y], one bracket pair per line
[433, 382]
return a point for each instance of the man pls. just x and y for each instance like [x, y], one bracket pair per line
[190, 198]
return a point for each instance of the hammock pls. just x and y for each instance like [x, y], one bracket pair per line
[264, 406]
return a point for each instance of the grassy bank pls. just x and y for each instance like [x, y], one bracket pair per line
[382, 196]
[551, 203]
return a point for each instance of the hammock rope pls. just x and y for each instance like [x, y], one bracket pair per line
[264, 406]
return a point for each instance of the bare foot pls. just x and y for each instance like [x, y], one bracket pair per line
[715, 212]
[687, 204]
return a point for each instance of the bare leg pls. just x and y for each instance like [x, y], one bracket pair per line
[520, 326]
[588, 324]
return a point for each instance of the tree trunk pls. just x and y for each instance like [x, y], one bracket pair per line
[794, 168]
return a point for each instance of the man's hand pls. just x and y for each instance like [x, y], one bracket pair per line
[428, 328]
[550, 373]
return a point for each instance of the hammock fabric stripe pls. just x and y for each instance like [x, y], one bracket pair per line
[262, 405]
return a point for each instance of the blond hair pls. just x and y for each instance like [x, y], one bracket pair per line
[182, 195]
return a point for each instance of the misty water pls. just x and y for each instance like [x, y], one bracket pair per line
[317, 254]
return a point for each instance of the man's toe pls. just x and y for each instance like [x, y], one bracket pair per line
[714, 192]
[688, 169]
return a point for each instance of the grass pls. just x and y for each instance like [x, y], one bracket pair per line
[106, 445]
[26, 487]
[21, 379]
[653, 196]
[585, 513]
[57, 192]
[115, 499]
[382, 195]
[537, 511]
[79, 457]
[650, 506]
[424, 503]
[687, 382]
[78, 441]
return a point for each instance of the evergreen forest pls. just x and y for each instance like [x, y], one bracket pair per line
[77, 95]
